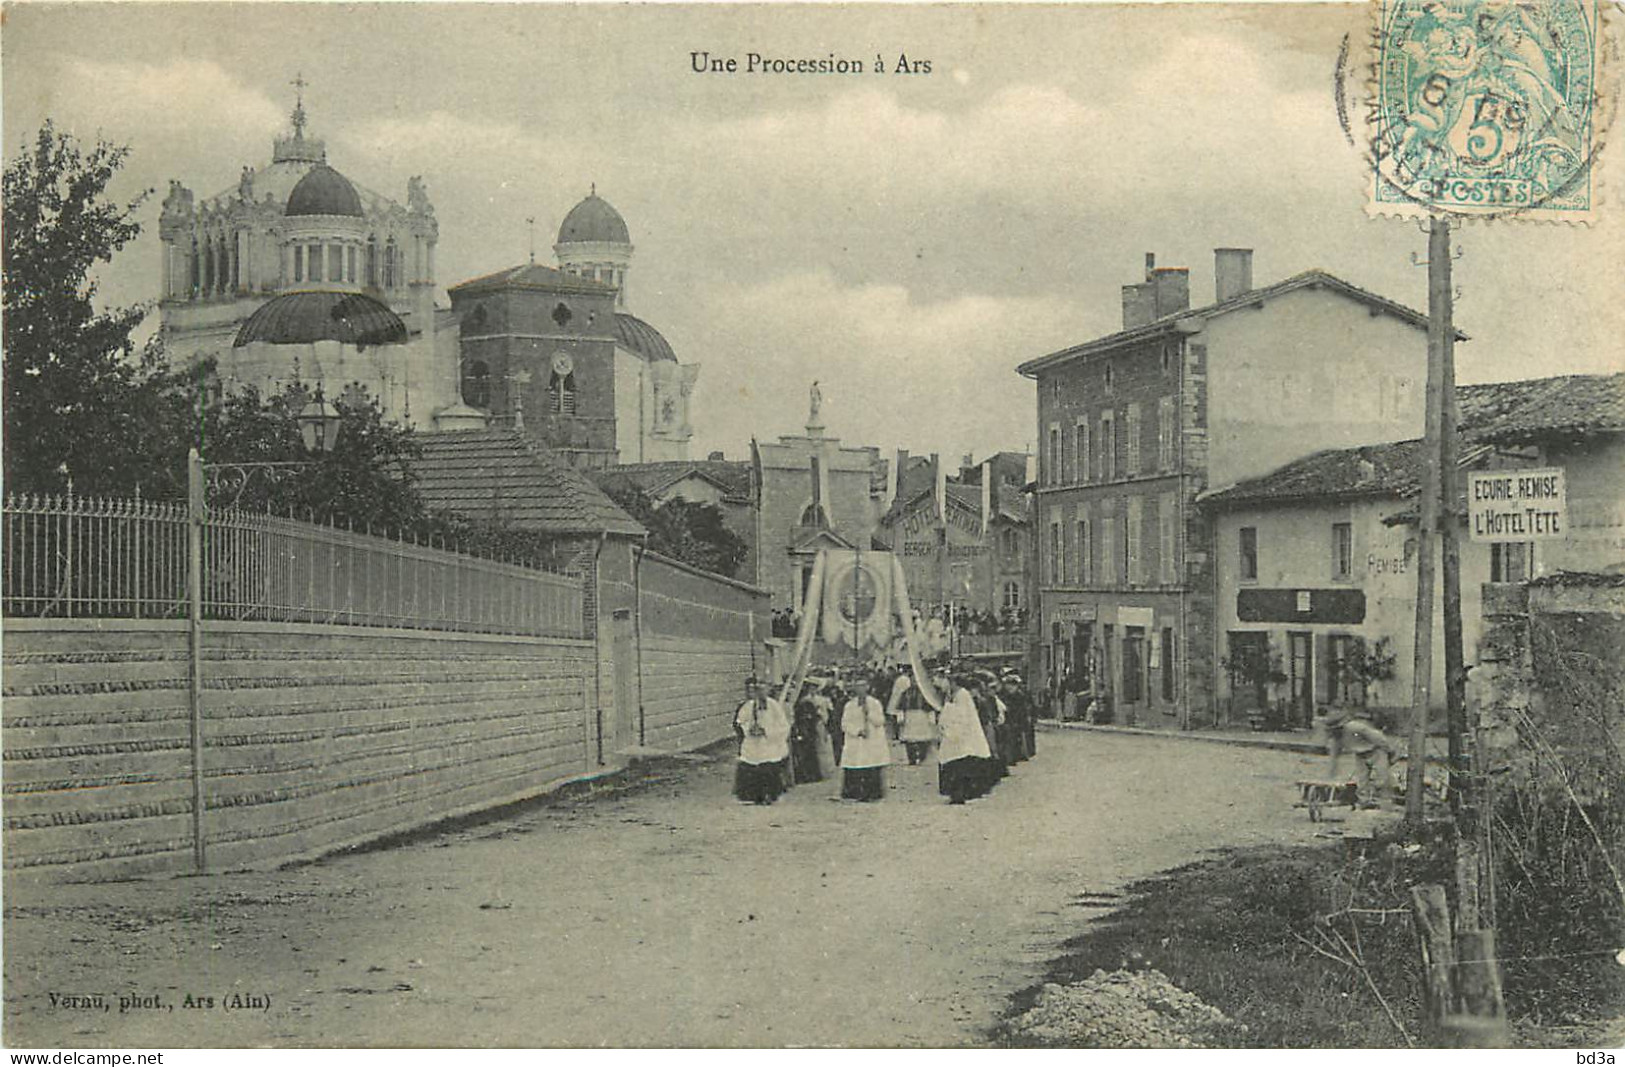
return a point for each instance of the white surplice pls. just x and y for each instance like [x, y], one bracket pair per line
[773, 743]
[865, 728]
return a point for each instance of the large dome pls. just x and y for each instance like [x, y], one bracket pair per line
[304, 318]
[594, 220]
[324, 191]
[642, 339]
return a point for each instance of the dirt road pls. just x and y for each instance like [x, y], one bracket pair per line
[666, 916]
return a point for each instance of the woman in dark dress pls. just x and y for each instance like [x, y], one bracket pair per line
[809, 723]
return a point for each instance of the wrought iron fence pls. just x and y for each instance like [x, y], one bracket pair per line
[78, 557]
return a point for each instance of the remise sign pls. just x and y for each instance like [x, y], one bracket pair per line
[1517, 505]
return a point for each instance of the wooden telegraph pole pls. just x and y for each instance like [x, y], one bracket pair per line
[1428, 517]
[1441, 314]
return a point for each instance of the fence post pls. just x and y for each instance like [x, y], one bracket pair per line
[195, 515]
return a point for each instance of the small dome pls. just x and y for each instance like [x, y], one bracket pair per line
[642, 339]
[304, 318]
[594, 220]
[324, 191]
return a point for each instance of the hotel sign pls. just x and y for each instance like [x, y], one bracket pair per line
[1346, 606]
[1517, 505]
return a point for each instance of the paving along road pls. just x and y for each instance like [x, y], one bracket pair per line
[670, 915]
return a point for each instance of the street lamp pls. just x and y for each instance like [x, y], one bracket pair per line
[319, 424]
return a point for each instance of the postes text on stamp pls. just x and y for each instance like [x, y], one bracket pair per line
[1485, 108]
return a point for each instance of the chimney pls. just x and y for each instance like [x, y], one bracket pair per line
[1172, 289]
[1139, 304]
[967, 464]
[1232, 272]
[1150, 264]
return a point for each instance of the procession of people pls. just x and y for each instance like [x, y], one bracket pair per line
[844, 724]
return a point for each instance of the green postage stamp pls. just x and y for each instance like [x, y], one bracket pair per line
[1487, 108]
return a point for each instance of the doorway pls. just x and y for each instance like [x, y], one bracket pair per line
[1301, 654]
[623, 731]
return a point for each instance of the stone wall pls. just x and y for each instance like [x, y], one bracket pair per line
[315, 737]
[1548, 687]
[698, 642]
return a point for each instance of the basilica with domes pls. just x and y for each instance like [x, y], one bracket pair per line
[298, 275]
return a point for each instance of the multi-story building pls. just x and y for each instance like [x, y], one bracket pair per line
[1135, 424]
[962, 540]
[1316, 559]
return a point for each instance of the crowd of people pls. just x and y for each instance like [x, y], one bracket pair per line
[979, 723]
[940, 621]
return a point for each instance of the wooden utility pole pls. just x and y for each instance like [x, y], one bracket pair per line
[1427, 513]
[1441, 316]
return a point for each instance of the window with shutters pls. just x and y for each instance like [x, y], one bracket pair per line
[1083, 547]
[1107, 446]
[1134, 515]
[1509, 562]
[1342, 551]
[1165, 433]
[1053, 473]
[1131, 440]
[1248, 544]
[1012, 595]
[477, 385]
[1057, 553]
[1168, 540]
[1080, 450]
[1108, 575]
[561, 393]
[1086, 556]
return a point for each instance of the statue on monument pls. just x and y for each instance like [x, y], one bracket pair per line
[815, 401]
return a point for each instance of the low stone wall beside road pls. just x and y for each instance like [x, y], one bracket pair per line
[701, 636]
[314, 737]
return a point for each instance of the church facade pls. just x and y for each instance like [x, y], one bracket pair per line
[240, 268]
[554, 352]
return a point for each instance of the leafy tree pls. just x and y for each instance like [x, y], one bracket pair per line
[366, 482]
[75, 389]
[690, 532]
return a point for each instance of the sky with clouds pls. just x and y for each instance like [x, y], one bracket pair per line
[905, 239]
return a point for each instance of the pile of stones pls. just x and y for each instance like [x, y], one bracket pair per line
[1123, 1009]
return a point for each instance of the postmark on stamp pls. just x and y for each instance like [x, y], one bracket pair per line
[1486, 108]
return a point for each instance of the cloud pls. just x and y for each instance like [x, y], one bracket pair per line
[894, 370]
[192, 97]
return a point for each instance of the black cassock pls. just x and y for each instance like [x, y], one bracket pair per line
[804, 742]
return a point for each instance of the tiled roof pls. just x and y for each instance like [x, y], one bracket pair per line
[1497, 412]
[502, 475]
[1309, 279]
[532, 276]
[1334, 474]
[732, 476]
[1572, 405]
